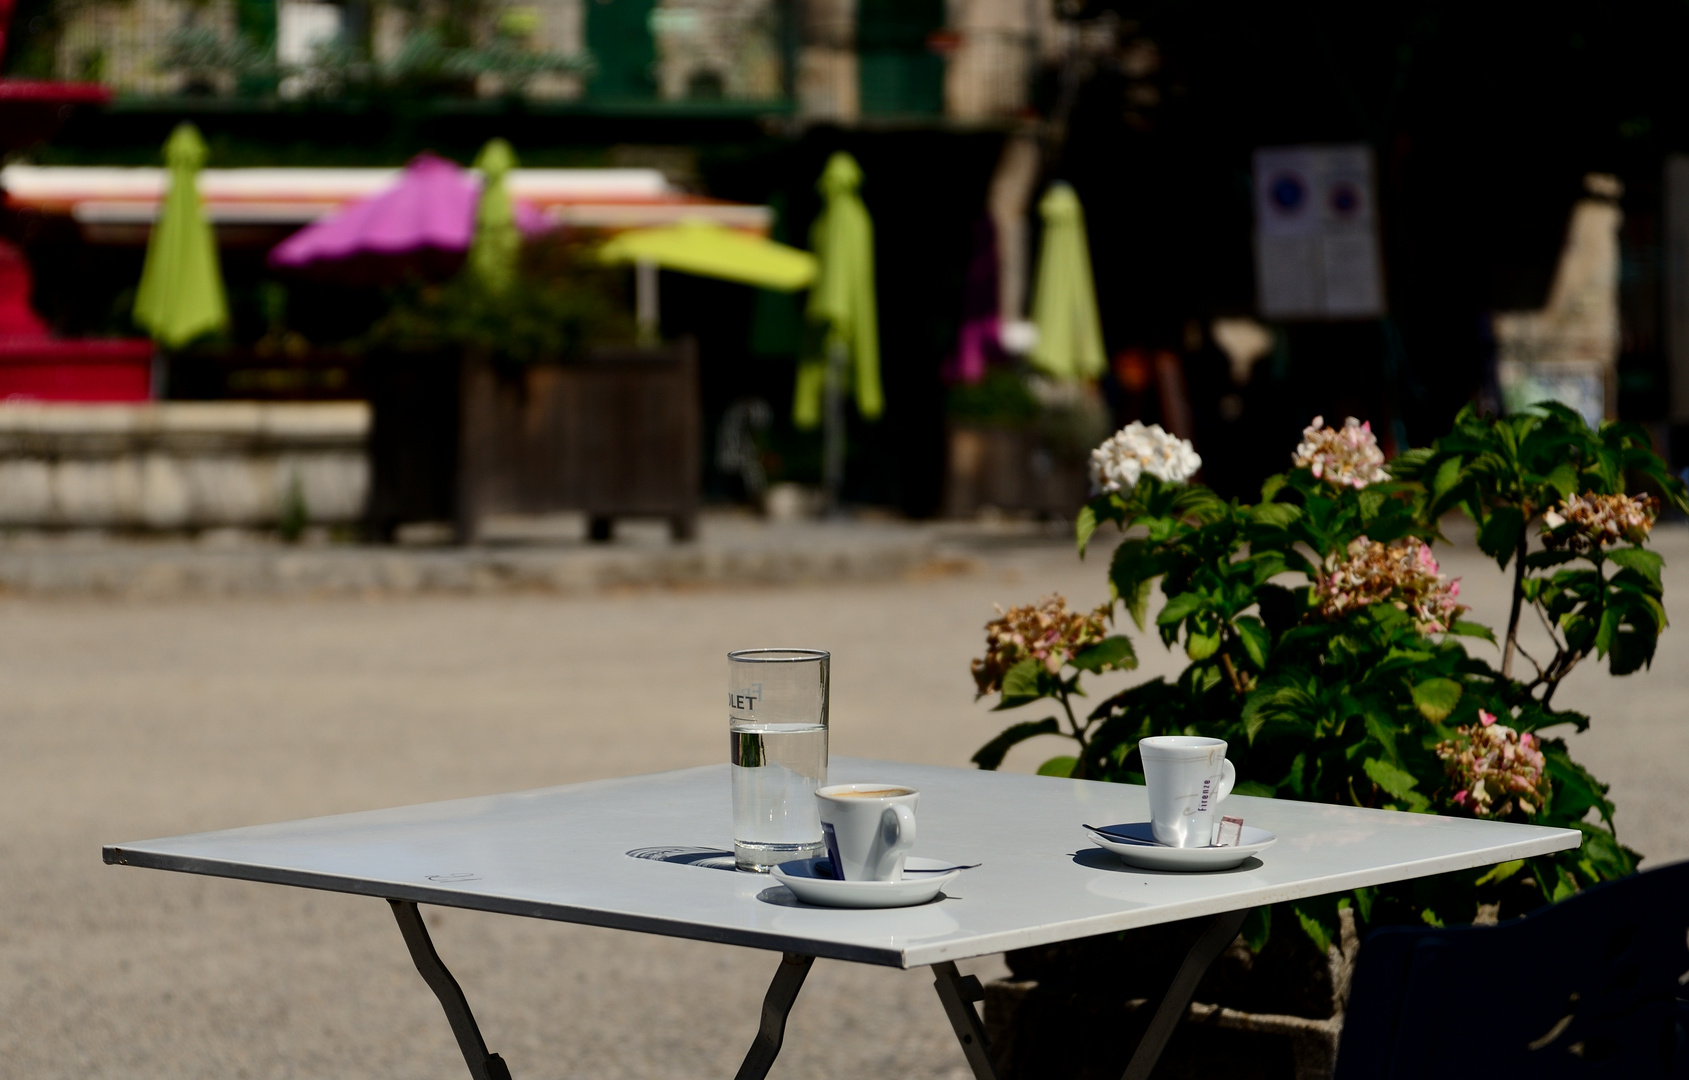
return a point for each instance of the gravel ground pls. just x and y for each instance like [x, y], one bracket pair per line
[131, 719]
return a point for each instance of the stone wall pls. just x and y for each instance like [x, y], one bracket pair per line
[181, 465]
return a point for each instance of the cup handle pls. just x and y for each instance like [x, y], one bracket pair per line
[1228, 777]
[897, 835]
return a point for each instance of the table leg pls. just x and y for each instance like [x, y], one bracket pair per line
[1220, 933]
[788, 980]
[482, 1065]
[959, 992]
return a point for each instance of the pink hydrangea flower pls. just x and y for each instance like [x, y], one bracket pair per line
[1349, 457]
[1498, 770]
[1403, 573]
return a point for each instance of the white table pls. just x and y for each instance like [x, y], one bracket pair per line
[563, 853]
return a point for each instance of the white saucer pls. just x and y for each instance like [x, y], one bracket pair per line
[1155, 856]
[810, 881]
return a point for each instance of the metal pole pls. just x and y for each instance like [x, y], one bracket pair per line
[833, 429]
[645, 303]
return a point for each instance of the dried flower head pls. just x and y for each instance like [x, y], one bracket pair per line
[1495, 768]
[1046, 631]
[1402, 573]
[1585, 522]
[1349, 457]
[1134, 450]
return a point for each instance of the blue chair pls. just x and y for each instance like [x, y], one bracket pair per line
[1594, 986]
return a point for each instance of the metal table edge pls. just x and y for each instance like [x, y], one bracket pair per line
[118, 855]
[1550, 840]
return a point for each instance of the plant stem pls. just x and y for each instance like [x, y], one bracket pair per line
[1078, 735]
[1518, 601]
[1231, 673]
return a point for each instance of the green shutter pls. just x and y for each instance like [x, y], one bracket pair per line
[618, 33]
[897, 72]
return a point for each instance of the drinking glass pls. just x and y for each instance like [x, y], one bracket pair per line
[777, 723]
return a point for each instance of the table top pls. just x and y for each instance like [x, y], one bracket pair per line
[563, 853]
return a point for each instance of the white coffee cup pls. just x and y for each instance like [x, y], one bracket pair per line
[868, 828]
[1187, 777]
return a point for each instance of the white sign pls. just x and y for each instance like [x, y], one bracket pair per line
[1316, 233]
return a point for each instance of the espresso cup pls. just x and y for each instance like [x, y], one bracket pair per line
[1187, 776]
[868, 829]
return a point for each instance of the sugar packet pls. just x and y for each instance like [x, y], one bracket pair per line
[1230, 832]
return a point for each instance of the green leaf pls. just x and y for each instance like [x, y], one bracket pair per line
[1463, 628]
[1136, 600]
[1371, 500]
[1448, 475]
[1575, 791]
[1609, 629]
[992, 753]
[1257, 642]
[1316, 930]
[1501, 872]
[1257, 928]
[1563, 478]
[1644, 562]
[1436, 698]
[1277, 515]
[1201, 644]
[1083, 526]
[1499, 538]
[1023, 683]
[1256, 789]
[1112, 652]
[1178, 607]
[1271, 486]
[1058, 766]
[1398, 782]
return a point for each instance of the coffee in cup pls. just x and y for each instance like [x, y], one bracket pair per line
[1187, 777]
[868, 829]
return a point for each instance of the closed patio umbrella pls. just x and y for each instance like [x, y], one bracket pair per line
[497, 242]
[1064, 303]
[842, 304]
[842, 299]
[181, 292]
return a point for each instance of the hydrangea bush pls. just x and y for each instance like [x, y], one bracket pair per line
[1330, 651]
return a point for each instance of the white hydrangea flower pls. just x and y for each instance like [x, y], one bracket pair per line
[1134, 450]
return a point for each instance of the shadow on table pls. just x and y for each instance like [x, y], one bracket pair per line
[1099, 859]
[709, 858]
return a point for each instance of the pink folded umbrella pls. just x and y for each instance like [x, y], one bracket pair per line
[419, 227]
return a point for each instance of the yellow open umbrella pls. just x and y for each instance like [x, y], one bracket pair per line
[1064, 304]
[710, 250]
[181, 292]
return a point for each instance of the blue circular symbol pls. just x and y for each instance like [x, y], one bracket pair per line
[1288, 192]
[1345, 199]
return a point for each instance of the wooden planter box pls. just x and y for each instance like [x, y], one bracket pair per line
[1076, 1010]
[1009, 469]
[456, 437]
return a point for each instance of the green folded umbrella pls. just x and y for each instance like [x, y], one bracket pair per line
[1064, 302]
[181, 292]
[842, 299]
[710, 250]
[497, 243]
